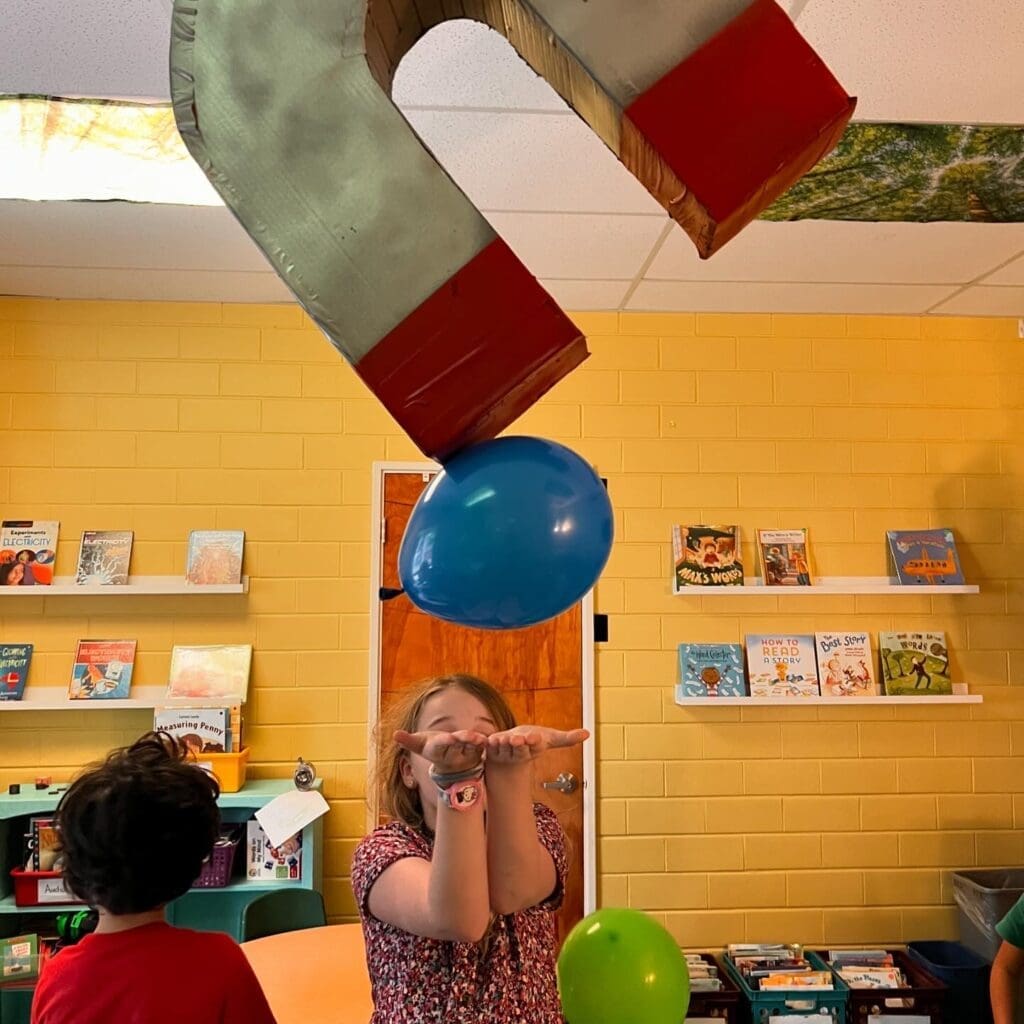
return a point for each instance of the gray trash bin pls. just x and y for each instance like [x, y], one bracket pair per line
[983, 899]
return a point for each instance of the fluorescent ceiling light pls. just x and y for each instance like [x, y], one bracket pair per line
[96, 150]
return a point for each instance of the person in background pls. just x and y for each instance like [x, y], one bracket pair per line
[1004, 981]
[134, 833]
[457, 895]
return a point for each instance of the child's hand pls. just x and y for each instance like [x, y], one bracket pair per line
[525, 742]
[446, 751]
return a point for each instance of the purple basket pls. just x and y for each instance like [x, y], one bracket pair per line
[216, 873]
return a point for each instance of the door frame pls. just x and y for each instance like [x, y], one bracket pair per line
[379, 472]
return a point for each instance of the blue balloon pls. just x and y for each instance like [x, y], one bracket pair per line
[510, 533]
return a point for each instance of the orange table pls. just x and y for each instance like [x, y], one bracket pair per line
[314, 976]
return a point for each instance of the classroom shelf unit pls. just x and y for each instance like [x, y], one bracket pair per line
[137, 586]
[853, 585]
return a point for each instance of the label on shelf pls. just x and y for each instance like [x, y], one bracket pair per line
[51, 890]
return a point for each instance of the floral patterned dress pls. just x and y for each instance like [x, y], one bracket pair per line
[507, 979]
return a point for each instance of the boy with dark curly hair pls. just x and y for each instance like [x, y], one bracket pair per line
[134, 833]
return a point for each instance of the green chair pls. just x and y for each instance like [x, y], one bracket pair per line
[289, 910]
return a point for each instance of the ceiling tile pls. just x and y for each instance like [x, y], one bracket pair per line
[982, 300]
[158, 285]
[114, 48]
[466, 64]
[133, 235]
[947, 61]
[1012, 273]
[752, 297]
[533, 162]
[587, 295]
[845, 251]
[580, 245]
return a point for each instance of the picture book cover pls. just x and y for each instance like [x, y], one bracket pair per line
[915, 663]
[707, 556]
[846, 665]
[711, 670]
[212, 672]
[14, 662]
[925, 557]
[19, 958]
[102, 670]
[279, 863]
[202, 730]
[781, 666]
[45, 844]
[104, 556]
[28, 551]
[215, 556]
[785, 558]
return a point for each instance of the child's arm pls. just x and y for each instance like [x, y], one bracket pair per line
[446, 897]
[520, 870]
[1003, 982]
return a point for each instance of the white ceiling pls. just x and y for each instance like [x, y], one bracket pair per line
[578, 220]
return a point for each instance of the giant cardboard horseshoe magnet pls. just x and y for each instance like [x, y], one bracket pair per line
[716, 106]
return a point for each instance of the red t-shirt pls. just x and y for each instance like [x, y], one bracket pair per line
[153, 974]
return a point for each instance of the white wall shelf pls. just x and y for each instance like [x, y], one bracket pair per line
[137, 586]
[802, 702]
[827, 585]
[55, 698]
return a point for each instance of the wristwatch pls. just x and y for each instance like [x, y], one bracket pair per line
[460, 790]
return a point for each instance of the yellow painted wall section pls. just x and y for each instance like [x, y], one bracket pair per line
[834, 825]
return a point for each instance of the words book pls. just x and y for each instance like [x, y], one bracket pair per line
[215, 556]
[915, 664]
[785, 558]
[104, 557]
[711, 670]
[707, 556]
[781, 666]
[926, 557]
[102, 670]
[14, 662]
[29, 547]
[846, 666]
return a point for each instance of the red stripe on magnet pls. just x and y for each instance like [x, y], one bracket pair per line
[474, 356]
[744, 116]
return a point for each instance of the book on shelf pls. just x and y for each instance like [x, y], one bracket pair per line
[104, 557]
[846, 666]
[265, 862]
[785, 558]
[102, 670]
[707, 556]
[202, 730]
[711, 670]
[29, 548]
[14, 662]
[925, 557]
[210, 672]
[781, 666]
[915, 664]
[20, 958]
[215, 556]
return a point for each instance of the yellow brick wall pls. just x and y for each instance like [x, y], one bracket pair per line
[810, 824]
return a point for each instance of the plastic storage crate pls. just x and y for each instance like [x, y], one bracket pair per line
[964, 971]
[37, 888]
[761, 1007]
[228, 769]
[983, 899]
[724, 1005]
[923, 996]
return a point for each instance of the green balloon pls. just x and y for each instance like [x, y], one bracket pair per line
[621, 967]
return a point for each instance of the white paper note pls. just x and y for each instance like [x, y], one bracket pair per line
[289, 813]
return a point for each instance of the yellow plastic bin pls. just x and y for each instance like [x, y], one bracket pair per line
[228, 769]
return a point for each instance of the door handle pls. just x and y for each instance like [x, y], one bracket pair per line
[565, 783]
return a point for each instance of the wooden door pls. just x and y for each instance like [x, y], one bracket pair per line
[539, 670]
